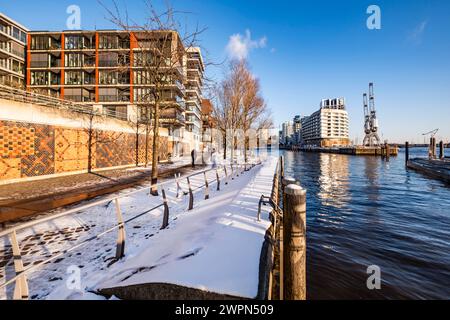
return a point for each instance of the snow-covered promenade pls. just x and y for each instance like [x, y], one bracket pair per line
[215, 247]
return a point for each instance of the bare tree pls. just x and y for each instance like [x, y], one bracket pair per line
[239, 105]
[254, 112]
[159, 48]
[95, 136]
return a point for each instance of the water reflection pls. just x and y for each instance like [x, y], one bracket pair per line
[363, 211]
[334, 180]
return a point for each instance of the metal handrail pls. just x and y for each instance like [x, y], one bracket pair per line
[20, 95]
[20, 277]
[97, 203]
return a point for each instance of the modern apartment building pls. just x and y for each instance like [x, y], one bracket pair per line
[297, 128]
[287, 131]
[110, 71]
[328, 126]
[106, 69]
[13, 39]
[194, 83]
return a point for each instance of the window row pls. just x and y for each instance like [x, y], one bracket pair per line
[44, 78]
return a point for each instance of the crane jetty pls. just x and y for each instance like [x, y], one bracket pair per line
[372, 145]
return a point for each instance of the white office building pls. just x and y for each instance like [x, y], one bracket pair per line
[328, 126]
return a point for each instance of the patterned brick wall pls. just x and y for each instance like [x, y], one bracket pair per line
[30, 150]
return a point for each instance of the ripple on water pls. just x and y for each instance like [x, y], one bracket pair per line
[364, 211]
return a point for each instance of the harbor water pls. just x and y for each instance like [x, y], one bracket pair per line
[364, 211]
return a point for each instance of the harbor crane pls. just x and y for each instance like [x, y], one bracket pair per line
[432, 147]
[372, 139]
[432, 133]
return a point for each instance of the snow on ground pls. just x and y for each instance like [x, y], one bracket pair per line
[220, 235]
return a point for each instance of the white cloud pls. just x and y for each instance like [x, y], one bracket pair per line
[239, 46]
[416, 35]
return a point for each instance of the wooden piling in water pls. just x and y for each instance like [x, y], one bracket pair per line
[406, 153]
[283, 226]
[388, 151]
[441, 150]
[295, 243]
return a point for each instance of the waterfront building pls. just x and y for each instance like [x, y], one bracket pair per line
[13, 39]
[286, 133]
[328, 126]
[105, 70]
[297, 127]
[194, 83]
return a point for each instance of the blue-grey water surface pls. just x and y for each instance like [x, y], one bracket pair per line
[364, 211]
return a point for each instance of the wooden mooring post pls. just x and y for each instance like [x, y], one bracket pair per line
[294, 220]
[441, 150]
[406, 153]
[283, 226]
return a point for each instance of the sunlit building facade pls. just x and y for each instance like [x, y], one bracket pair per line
[13, 40]
[327, 127]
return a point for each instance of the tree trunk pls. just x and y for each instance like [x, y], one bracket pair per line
[155, 152]
[137, 143]
[90, 133]
[225, 146]
[147, 131]
[246, 148]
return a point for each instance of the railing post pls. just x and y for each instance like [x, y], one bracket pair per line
[206, 186]
[259, 208]
[218, 179]
[120, 249]
[275, 185]
[21, 287]
[178, 184]
[191, 195]
[166, 210]
[226, 174]
[295, 243]
[388, 151]
[232, 171]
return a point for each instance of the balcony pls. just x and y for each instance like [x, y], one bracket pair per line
[172, 117]
[4, 53]
[4, 36]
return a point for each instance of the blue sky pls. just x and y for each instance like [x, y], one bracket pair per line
[304, 51]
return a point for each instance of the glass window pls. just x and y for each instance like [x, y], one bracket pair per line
[23, 37]
[39, 60]
[106, 77]
[16, 33]
[39, 78]
[39, 42]
[108, 42]
[73, 77]
[73, 42]
[73, 60]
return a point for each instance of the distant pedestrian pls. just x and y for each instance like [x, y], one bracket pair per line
[193, 156]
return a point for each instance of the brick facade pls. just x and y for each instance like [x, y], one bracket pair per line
[32, 150]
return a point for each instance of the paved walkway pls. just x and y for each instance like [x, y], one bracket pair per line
[24, 199]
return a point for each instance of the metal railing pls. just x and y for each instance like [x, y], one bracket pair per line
[21, 290]
[19, 95]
